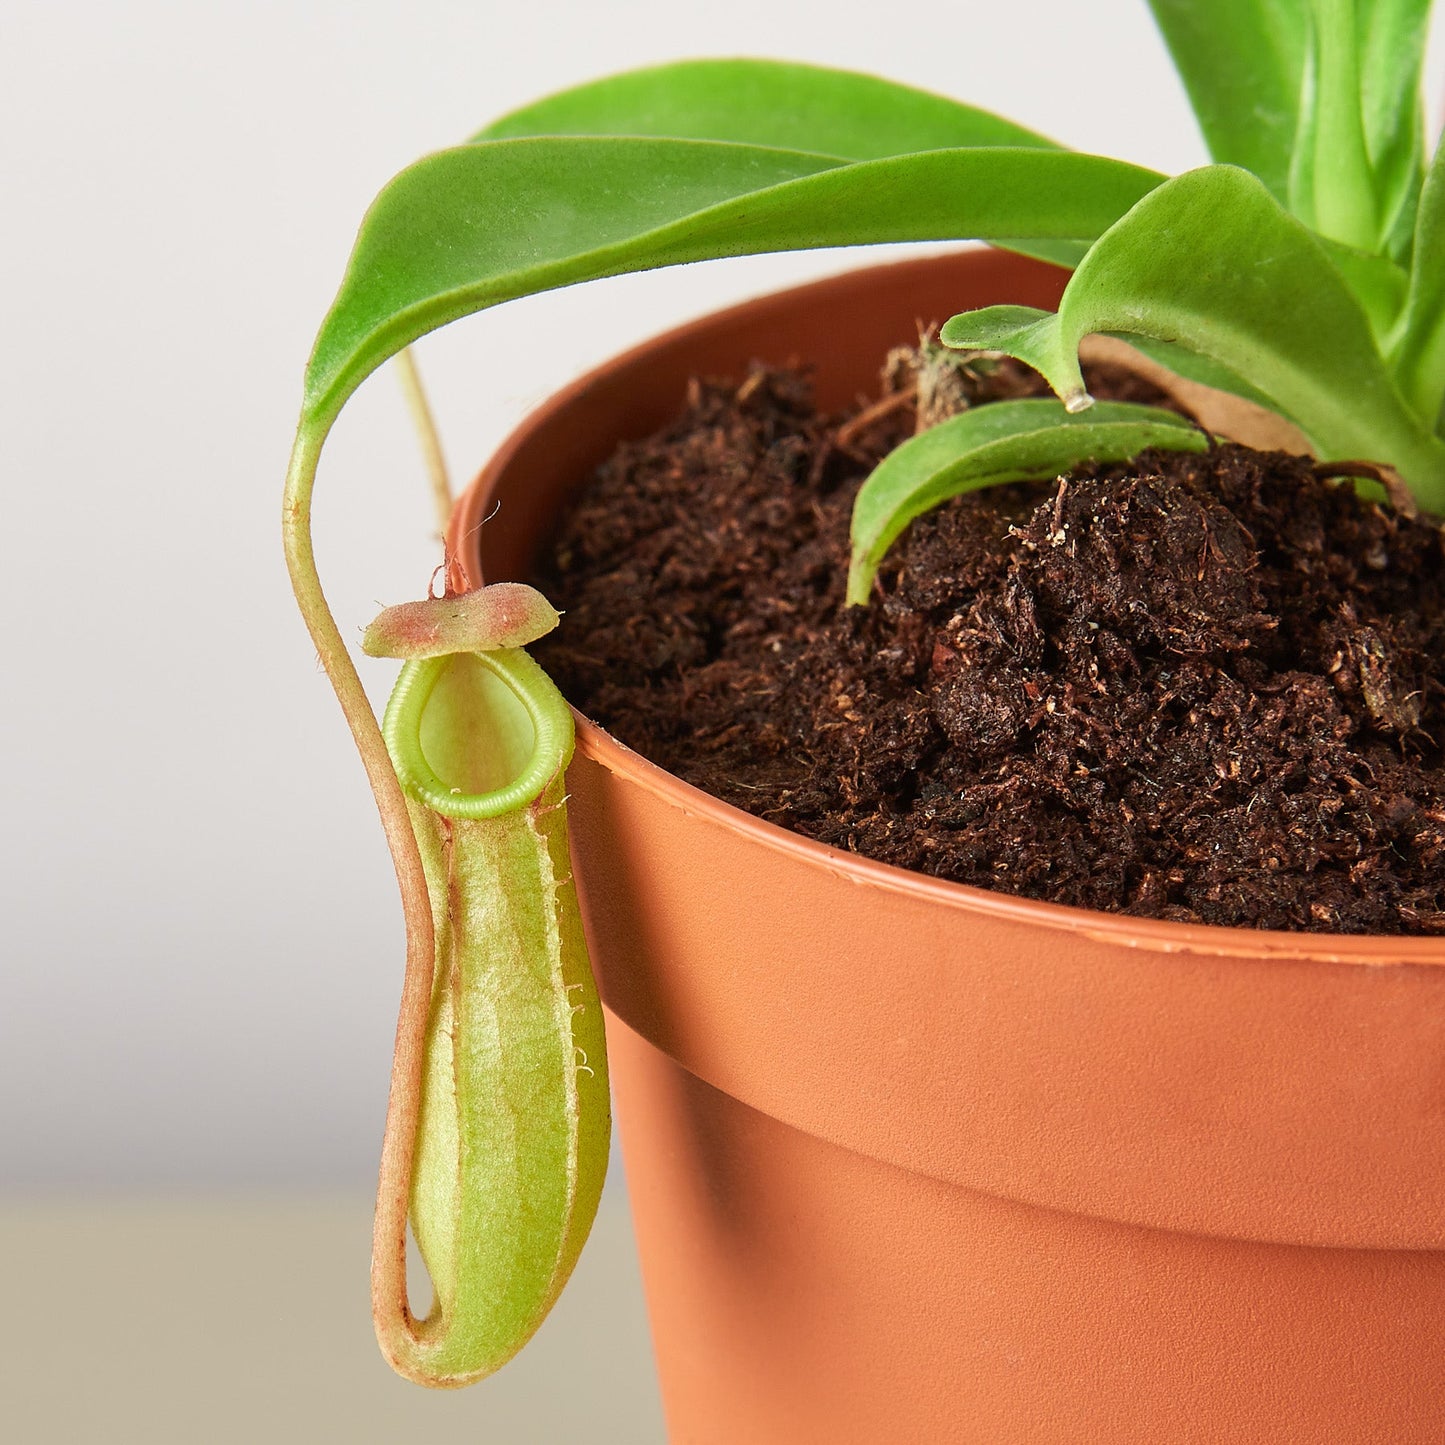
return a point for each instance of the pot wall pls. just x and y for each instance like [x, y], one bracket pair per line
[914, 1161]
[800, 1292]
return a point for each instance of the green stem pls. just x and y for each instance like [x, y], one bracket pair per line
[395, 1326]
[427, 436]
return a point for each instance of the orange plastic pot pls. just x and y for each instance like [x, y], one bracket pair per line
[914, 1162]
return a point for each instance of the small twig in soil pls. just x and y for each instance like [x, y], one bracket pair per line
[1056, 532]
[821, 458]
[896, 401]
[1387, 477]
[754, 381]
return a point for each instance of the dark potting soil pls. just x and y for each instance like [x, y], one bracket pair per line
[1205, 688]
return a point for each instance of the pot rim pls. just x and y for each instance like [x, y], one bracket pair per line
[1127, 930]
[1123, 930]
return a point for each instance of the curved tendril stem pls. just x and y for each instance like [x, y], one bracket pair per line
[395, 1325]
[427, 436]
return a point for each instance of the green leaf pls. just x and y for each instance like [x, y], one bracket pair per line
[1005, 441]
[1332, 187]
[1391, 40]
[1418, 352]
[1209, 260]
[1320, 99]
[1024, 332]
[1005, 328]
[766, 103]
[1032, 336]
[1378, 283]
[1359, 152]
[1193, 367]
[780, 105]
[467, 228]
[1242, 62]
[777, 104]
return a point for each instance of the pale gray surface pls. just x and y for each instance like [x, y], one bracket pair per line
[200, 944]
[234, 1324]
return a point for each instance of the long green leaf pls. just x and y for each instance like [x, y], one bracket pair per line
[1211, 261]
[1391, 42]
[1332, 187]
[1242, 62]
[766, 103]
[1194, 367]
[779, 105]
[1008, 441]
[1378, 283]
[467, 228]
[1268, 98]
[1419, 350]
[1359, 149]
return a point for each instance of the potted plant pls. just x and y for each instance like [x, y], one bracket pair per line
[912, 1160]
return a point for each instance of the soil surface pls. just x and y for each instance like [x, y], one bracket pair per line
[1208, 688]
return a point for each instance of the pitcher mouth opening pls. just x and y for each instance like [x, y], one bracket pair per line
[472, 736]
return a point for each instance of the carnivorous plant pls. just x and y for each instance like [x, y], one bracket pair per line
[1304, 268]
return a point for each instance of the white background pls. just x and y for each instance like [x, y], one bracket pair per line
[200, 940]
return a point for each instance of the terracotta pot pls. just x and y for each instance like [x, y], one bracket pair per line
[915, 1162]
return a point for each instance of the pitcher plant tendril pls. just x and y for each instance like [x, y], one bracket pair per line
[513, 1122]
[498, 1122]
